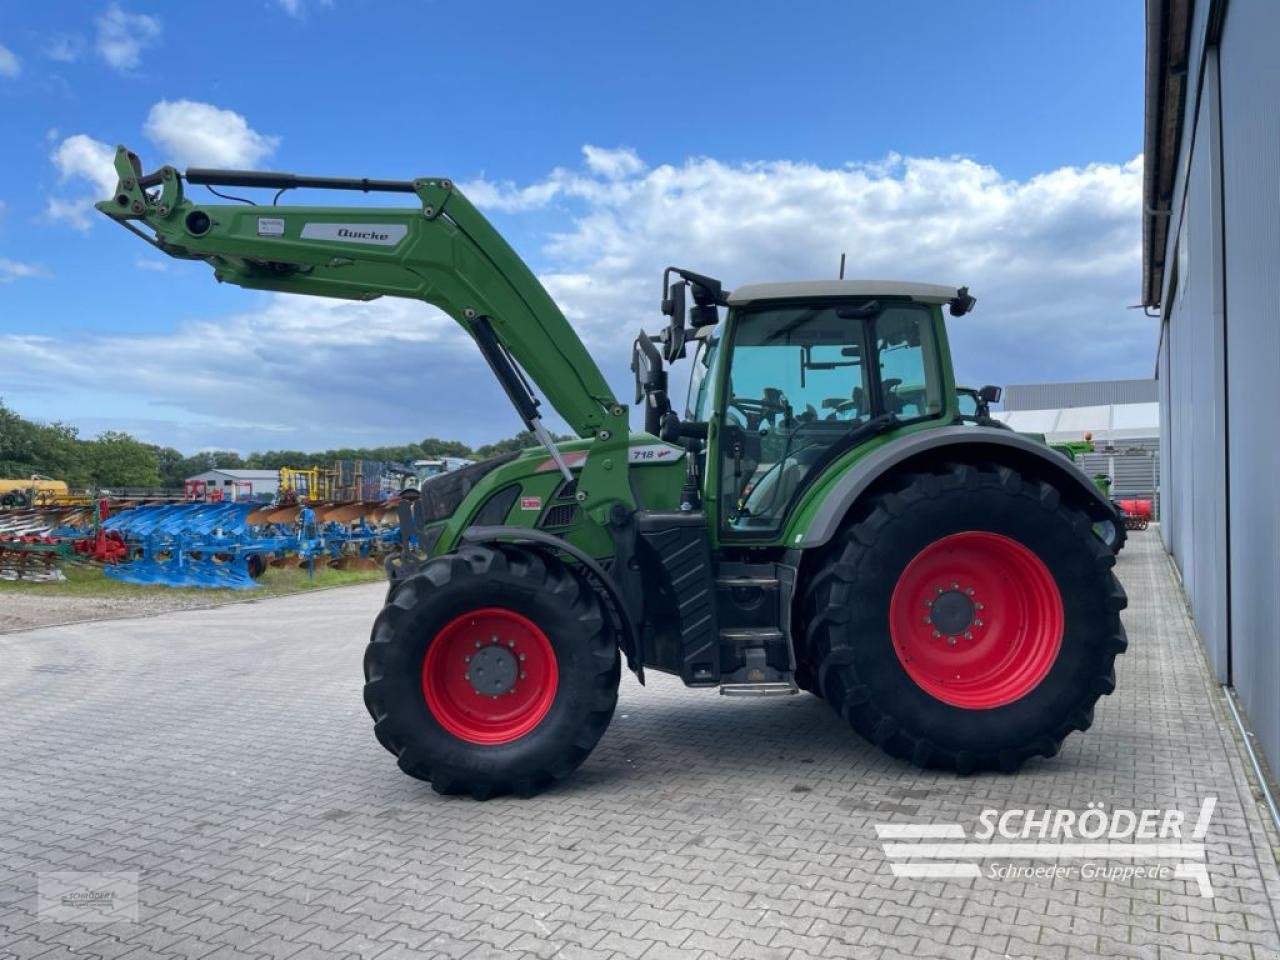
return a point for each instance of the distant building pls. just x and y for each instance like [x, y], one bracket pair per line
[1211, 271]
[1122, 417]
[265, 482]
[1081, 393]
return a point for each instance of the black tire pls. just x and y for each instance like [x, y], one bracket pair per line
[256, 565]
[534, 585]
[846, 613]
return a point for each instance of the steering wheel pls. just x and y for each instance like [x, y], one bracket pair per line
[757, 411]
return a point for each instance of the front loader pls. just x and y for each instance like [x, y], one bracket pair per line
[818, 517]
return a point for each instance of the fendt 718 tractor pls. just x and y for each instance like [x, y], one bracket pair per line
[818, 518]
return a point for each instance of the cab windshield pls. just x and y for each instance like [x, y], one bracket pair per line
[802, 378]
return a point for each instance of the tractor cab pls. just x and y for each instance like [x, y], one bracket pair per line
[796, 377]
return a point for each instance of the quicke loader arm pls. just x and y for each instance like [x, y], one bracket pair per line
[442, 251]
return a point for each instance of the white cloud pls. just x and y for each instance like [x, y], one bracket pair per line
[10, 65]
[64, 47]
[1054, 260]
[81, 158]
[122, 36]
[154, 264]
[298, 8]
[614, 164]
[294, 371]
[200, 134]
[14, 270]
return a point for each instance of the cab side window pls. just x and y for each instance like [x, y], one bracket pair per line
[909, 383]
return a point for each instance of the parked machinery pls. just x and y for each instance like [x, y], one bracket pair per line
[820, 518]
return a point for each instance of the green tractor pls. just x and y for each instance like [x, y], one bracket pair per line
[817, 517]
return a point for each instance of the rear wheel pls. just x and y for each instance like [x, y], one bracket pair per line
[966, 620]
[491, 671]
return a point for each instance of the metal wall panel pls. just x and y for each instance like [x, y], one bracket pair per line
[1162, 378]
[1250, 77]
[1085, 393]
[1193, 508]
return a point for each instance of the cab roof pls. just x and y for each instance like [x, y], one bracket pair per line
[807, 289]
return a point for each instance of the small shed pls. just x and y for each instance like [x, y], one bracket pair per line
[264, 483]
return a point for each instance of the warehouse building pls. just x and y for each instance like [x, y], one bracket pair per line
[263, 484]
[1211, 268]
[1122, 417]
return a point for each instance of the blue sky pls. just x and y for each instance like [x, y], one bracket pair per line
[997, 144]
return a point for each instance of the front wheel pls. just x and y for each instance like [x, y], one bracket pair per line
[967, 619]
[491, 671]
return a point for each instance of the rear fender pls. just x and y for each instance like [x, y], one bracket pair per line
[964, 444]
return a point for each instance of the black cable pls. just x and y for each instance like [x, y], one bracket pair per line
[275, 201]
[226, 196]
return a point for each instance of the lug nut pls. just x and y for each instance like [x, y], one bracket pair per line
[936, 633]
[968, 635]
[977, 623]
[951, 641]
[954, 585]
[968, 591]
[522, 656]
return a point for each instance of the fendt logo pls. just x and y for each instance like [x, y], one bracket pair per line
[1081, 844]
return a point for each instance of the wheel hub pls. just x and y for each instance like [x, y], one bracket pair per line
[976, 620]
[952, 613]
[493, 670]
[490, 676]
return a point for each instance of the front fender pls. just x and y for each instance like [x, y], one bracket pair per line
[969, 444]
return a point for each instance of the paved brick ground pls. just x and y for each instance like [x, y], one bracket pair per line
[226, 756]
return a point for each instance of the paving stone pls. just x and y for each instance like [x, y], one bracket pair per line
[232, 764]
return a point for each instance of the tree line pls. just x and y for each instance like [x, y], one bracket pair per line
[116, 459]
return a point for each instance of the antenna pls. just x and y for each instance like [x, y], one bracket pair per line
[842, 265]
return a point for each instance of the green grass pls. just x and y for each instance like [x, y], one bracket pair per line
[87, 581]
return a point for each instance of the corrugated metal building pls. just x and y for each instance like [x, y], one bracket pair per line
[1081, 393]
[265, 482]
[1211, 265]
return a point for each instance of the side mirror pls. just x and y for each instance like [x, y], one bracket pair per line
[703, 315]
[674, 307]
[990, 393]
[646, 364]
[651, 381]
[962, 302]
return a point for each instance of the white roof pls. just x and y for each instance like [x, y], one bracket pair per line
[247, 474]
[1107, 422]
[804, 289]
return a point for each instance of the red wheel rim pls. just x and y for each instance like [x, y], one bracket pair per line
[489, 676]
[976, 620]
